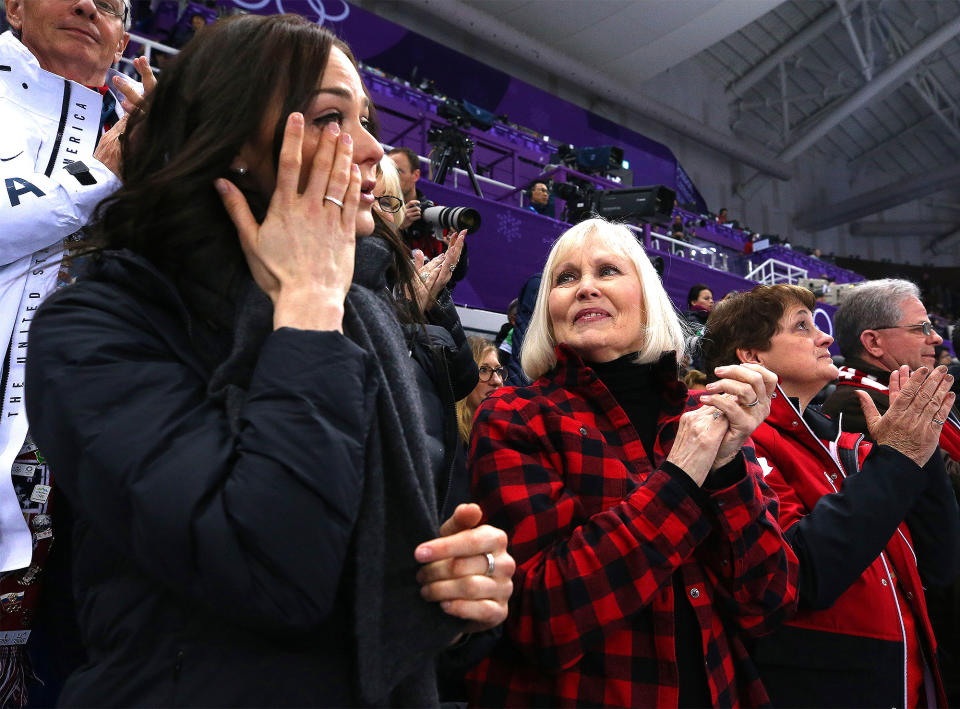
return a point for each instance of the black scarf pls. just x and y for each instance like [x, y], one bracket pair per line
[397, 634]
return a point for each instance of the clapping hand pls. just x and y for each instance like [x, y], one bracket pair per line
[919, 406]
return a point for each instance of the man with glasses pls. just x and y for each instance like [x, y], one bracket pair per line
[56, 164]
[880, 326]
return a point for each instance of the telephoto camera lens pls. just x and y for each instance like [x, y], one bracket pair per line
[453, 218]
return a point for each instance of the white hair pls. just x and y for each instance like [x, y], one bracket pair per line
[391, 186]
[664, 331]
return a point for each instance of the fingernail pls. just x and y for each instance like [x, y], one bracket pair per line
[445, 605]
[221, 185]
[346, 139]
[423, 553]
[296, 119]
[117, 81]
[334, 127]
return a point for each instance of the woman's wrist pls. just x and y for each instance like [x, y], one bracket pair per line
[308, 310]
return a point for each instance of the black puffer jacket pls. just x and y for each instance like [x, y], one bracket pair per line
[207, 568]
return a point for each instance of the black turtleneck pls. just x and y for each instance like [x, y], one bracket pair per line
[638, 388]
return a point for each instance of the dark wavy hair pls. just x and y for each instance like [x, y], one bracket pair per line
[748, 321]
[210, 100]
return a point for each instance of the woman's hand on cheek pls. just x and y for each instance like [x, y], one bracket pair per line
[302, 254]
[457, 570]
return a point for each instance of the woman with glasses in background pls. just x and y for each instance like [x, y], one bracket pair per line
[492, 377]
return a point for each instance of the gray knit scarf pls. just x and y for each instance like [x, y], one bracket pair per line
[397, 634]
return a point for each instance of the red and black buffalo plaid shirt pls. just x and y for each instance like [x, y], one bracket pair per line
[598, 534]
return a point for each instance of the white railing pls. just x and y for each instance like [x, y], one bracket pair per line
[772, 272]
[149, 45]
[675, 247]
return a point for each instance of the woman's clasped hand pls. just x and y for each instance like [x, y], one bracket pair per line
[468, 570]
[733, 408]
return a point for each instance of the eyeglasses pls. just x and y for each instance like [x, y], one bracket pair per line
[926, 326]
[487, 372]
[113, 9]
[389, 203]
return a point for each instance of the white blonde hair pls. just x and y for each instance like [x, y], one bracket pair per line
[391, 186]
[664, 331]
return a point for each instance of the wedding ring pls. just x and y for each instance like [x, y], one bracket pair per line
[453, 268]
[423, 276]
[938, 421]
[334, 200]
[491, 564]
[750, 406]
[717, 414]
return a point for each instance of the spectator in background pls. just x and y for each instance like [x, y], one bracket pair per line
[699, 306]
[954, 369]
[722, 216]
[416, 232]
[540, 199]
[505, 329]
[943, 356]
[504, 338]
[525, 304]
[695, 379]
[881, 326]
[387, 193]
[492, 377]
[182, 34]
[408, 168]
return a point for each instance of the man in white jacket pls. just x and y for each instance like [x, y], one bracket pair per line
[56, 164]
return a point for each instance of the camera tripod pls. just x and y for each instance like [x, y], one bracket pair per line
[455, 149]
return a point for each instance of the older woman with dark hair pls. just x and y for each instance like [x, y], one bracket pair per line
[870, 524]
[233, 412]
[646, 542]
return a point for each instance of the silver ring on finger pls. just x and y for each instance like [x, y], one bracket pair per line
[423, 276]
[491, 564]
[334, 200]
[938, 421]
[717, 414]
[453, 268]
[750, 406]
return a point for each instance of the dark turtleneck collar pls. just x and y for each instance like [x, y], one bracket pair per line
[638, 388]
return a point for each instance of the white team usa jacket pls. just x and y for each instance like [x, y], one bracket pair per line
[46, 124]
